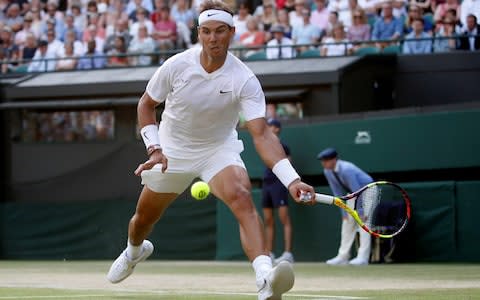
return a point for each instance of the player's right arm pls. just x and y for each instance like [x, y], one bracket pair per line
[147, 116]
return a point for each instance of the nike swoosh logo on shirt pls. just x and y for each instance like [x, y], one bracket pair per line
[224, 92]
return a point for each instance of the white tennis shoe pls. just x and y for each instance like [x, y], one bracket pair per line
[278, 281]
[123, 266]
[286, 256]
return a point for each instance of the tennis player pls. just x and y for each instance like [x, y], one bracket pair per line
[204, 90]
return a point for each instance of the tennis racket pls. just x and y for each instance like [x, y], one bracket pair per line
[381, 208]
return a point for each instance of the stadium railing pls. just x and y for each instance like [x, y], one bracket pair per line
[358, 48]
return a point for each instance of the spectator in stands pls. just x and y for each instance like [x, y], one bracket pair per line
[332, 22]
[267, 18]
[165, 33]
[28, 50]
[254, 38]
[121, 28]
[421, 46]
[116, 14]
[425, 5]
[181, 13]
[307, 34]
[284, 20]
[240, 18]
[80, 19]
[470, 38]
[442, 9]
[360, 29]
[320, 15]
[415, 13]
[10, 51]
[55, 46]
[37, 23]
[54, 17]
[78, 47]
[135, 4]
[445, 29]
[344, 177]
[68, 61]
[346, 16]
[469, 7]
[279, 47]
[296, 17]
[142, 43]
[92, 59]
[387, 27]
[70, 26]
[13, 19]
[371, 7]
[117, 57]
[133, 15]
[288, 5]
[399, 10]
[341, 7]
[142, 20]
[20, 36]
[43, 61]
[92, 34]
[98, 21]
[337, 44]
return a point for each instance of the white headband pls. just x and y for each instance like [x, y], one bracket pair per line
[215, 15]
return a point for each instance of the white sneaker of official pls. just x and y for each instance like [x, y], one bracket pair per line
[123, 266]
[278, 281]
[286, 256]
[337, 261]
[358, 261]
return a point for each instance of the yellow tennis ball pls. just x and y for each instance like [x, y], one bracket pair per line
[200, 190]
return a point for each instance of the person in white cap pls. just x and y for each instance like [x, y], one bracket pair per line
[204, 90]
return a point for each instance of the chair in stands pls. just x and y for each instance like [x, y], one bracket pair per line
[392, 49]
[310, 53]
[259, 55]
[367, 50]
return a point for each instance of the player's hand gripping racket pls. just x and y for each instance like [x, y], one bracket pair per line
[381, 208]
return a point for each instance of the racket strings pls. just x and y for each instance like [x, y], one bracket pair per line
[383, 208]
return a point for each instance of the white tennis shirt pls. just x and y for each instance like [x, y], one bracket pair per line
[202, 109]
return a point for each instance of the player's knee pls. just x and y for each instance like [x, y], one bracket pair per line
[240, 199]
[144, 219]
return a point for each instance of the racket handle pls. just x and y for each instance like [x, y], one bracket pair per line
[320, 198]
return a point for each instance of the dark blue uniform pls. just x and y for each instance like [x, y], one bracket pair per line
[274, 193]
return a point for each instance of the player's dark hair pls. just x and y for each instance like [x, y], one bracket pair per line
[215, 4]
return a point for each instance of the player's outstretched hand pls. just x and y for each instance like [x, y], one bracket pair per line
[156, 157]
[297, 187]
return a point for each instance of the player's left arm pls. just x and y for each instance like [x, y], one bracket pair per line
[269, 148]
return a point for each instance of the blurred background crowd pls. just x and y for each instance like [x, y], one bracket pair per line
[39, 35]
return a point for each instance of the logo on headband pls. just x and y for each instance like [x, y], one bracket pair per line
[211, 14]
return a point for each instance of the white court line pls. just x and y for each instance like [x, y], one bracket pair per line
[48, 297]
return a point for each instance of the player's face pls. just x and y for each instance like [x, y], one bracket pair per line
[215, 37]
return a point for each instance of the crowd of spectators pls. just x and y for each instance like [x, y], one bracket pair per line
[88, 34]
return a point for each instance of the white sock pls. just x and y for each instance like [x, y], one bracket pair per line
[133, 251]
[262, 264]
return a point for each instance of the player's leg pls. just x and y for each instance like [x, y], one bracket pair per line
[228, 179]
[232, 186]
[150, 208]
[151, 205]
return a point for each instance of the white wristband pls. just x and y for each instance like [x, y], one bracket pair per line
[150, 136]
[285, 172]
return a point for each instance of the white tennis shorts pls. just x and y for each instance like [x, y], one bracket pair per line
[182, 171]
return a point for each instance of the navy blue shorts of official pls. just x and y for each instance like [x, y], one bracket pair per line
[274, 195]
